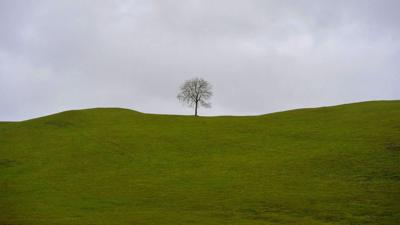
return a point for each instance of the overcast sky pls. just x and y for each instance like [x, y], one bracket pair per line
[261, 56]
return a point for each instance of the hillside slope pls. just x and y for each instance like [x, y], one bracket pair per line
[332, 165]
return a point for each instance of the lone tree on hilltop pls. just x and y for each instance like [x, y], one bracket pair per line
[195, 92]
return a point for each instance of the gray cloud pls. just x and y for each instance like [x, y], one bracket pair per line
[261, 56]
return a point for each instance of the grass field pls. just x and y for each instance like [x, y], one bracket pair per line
[332, 165]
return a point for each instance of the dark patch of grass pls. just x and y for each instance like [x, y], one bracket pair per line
[59, 124]
[7, 163]
[394, 147]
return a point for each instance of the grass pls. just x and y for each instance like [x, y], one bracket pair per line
[332, 165]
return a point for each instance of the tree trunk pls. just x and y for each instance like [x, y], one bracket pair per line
[195, 109]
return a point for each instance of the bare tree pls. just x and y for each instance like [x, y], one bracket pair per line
[195, 92]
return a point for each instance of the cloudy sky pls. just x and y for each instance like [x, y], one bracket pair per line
[261, 56]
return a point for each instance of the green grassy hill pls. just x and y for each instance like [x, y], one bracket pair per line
[332, 165]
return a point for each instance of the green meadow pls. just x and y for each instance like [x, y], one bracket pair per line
[110, 166]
